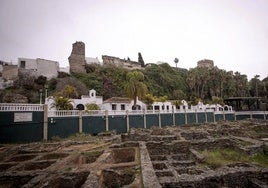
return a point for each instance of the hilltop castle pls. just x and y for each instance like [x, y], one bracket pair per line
[78, 60]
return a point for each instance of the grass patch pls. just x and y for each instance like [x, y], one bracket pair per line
[94, 153]
[260, 158]
[221, 157]
[243, 143]
[67, 169]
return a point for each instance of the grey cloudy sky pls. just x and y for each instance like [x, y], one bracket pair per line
[233, 33]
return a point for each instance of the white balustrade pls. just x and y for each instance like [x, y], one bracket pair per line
[20, 107]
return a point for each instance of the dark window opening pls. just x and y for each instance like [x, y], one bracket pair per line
[22, 64]
[113, 106]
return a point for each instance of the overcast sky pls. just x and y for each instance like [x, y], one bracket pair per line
[233, 33]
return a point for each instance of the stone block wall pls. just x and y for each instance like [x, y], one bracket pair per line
[115, 61]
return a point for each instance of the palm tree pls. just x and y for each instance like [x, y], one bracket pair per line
[135, 87]
[62, 103]
[256, 77]
[176, 60]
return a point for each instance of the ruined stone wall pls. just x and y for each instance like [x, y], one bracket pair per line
[205, 63]
[77, 59]
[115, 61]
[10, 72]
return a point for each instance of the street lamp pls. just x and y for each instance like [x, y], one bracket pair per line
[46, 87]
[41, 95]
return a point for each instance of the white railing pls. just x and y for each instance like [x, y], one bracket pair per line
[21, 107]
[63, 113]
[251, 112]
[93, 112]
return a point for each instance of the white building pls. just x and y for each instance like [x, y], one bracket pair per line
[163, 106]
[79, 104]
[38, 67]
[122, 103]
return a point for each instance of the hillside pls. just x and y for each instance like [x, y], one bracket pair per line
[161, 80]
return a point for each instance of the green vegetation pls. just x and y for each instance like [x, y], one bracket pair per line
[62, 103]
[220, 157]
[93, 153]
[92, 106]
[134, 87]
[208, 85]
[260, 159]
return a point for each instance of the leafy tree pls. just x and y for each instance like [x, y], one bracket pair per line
[92, 106]
[241, 84]
[134, 86]
[179, 94]
[217, 100]
[148, 100]
[52, 84]
[163, 80]
[63, 75]
[177, 103]
[69, 92]
[162, 99]
[72, 81]
[91, 68]
[41, 80]
[140, 60]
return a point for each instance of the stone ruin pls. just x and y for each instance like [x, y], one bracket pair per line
[77, 59]
[167, 157]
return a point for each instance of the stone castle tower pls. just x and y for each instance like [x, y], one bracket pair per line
[77, 59]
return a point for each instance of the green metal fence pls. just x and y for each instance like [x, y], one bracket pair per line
[30, 126]
[152, 120]
[191, 118]
[201, 117]
[166, 120]
[118, 123]
[136, 121]
[179, 119]
[62, 127]
[17, 127]
[93, 124]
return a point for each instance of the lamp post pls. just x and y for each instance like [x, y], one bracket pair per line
[41, 95]
[46, 87]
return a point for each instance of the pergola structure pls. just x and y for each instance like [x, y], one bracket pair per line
[244, 103]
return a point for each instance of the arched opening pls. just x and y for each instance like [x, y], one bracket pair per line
[80, 107]
[138, 107]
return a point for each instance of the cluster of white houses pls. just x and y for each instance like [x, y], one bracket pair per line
[127, 104]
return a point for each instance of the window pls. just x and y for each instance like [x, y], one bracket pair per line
[22, 64]
[123, 107]
[167, 107]
[163, 107]
[156, 107]
[113, 106]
